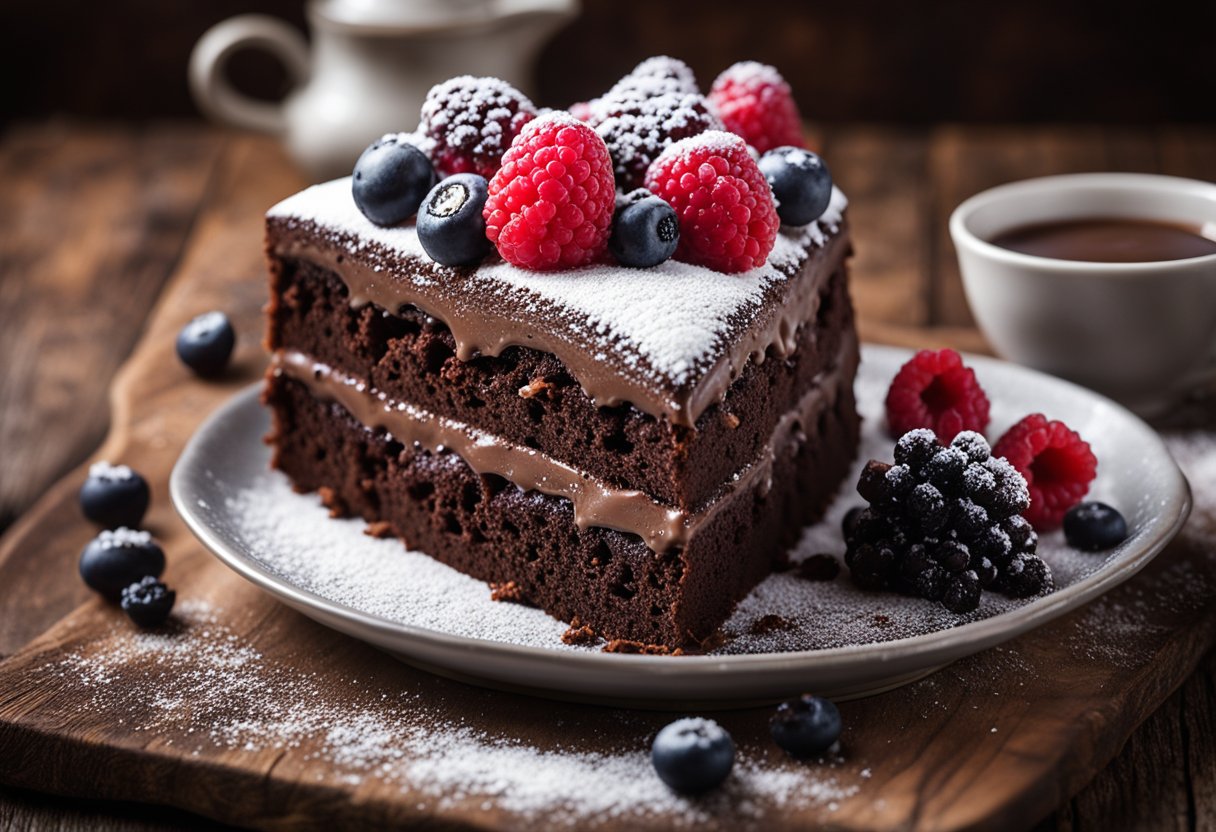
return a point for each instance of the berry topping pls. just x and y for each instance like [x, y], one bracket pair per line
[656, 76]
[205, 344]
[1056, 462]
[1094, 527]
[935, 390]
[943, 524]
[390, 179]
[692, 755]
[754, 101]
[148, 602]
[801, 183]
[645, 231]
[550, 205]
[451, 227]
[637, 128]
[725, 206]
[806, 726]
[116, 559]
[472, 122]
[114, 495]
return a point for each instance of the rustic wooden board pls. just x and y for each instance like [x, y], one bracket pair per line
[1062, 701]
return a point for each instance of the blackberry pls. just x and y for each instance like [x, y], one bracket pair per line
[944, 523]
[638, 129]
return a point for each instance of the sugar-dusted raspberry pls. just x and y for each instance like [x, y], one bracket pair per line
[727, 218]
[637, 130]
[471, 122]
[935, 390]
[754, 101]
[1057, 463]
[550, 204]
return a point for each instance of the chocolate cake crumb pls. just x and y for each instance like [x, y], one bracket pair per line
[637, 648]
[535, 387]
[882, 621]
[730, 420]
[380, 529]
[331, 500]
[509, 592]
[821, 567]
[579, 633]
[770, 624]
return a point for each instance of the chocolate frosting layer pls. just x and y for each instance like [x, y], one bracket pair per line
[595, 502]
[668, 340]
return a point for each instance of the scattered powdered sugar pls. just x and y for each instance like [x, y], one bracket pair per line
[123, 538]
[204, 324]
[672, 320]
[106, 472]
[751, 73]
[198, 679]
[292, 536]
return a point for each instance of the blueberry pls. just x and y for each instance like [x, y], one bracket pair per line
[451, 227]
[692, 755]
[645, 233]
[807, 726]
[205, 344]
[1094, 527]
[801, 183]
[116, 559]
[114, 495]
[390, 180]
[148, 601]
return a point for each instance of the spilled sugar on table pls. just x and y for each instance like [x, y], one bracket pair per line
[248, 713]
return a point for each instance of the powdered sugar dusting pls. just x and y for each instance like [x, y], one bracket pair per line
[199, 679]
[667, 324]
[124, 538]
[106, 472]
[751, 74]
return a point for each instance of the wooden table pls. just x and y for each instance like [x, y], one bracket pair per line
[94, 220]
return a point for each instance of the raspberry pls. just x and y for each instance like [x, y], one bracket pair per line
[727, 218]
[550, 204]
[943, 524]
[471, 122]
[935, 390]
[754, 101]
[638, 130]
[1057, 463]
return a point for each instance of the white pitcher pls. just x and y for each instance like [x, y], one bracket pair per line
[370, 67]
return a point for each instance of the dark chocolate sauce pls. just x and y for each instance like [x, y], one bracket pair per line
[1102, 240]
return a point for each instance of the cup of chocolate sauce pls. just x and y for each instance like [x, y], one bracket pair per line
[1108, 279]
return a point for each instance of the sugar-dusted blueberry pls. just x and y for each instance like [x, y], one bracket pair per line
[391, 179]
[115, 559]
[148, 602]
[1094, 526]
[114, 495]
[645, 232]
[801, 183]
[693, 755]
[451, 227]
[205, 344]
[807, 726]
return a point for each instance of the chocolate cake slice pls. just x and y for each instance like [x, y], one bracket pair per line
[631, 449]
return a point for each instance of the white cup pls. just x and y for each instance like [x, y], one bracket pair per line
[1143, 333]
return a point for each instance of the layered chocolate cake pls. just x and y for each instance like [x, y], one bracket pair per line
[631, 449]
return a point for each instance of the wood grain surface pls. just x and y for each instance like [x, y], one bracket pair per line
[1063, 699]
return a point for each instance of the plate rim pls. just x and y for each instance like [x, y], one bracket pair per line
[987, 631]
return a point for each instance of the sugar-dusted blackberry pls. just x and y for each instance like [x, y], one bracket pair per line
[963, 593]
[638, 129]
[943, 524]
[916, 447]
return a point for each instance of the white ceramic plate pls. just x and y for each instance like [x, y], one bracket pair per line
[834, 639]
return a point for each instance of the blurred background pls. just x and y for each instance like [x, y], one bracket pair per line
[1126, 61]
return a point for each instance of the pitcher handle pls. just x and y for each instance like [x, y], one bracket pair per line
[213, 93]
